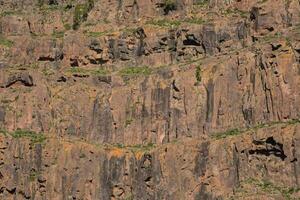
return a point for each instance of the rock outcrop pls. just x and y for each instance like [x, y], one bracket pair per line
[233, 167]
[140, 99]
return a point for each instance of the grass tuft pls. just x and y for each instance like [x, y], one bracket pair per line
[135, 71]
[237, 131]
[58, 34]
[164, 23]
[5, 42]
[228, 133]
[87, 72]
[195, 20]
[98, 34]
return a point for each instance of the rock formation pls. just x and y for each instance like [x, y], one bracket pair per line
[149, 100]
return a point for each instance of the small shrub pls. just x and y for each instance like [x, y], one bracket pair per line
[48, 72]
[198, 74]
[169, 6]
[33, 176]
[67, 27]
[128, 122]
[129, 197]
[58, 34]
[90, 4]
[81, 13]
[82, 155]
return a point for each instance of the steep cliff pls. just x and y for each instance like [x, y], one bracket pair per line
[160, 99]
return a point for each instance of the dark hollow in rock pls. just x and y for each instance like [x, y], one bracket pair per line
[24, 78]
[268, 147]
[62, 79]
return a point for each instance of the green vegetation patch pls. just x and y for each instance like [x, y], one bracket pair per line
[33, 136]
[98, 34]
[169, 5]
[195, 20]
[128, 122]
[58, 34]
[78, 71]
[270, 188]
[5, 42]
[48, 72]
[198, 74]
[135, 71]
[236, 12]
[142, 148]
[137, 148]
[228, 133]
[87, 72]
[81, 13]
[33, 176]
[4, 132]
[129, 197]
[99, 72]
[293, 121]
[129, 30]
[237, 131]
[67, 26]
[166, 23]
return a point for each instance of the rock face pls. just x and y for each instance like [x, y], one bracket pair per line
[135, 99]
[70, 169]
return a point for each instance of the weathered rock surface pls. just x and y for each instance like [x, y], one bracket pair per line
[95, 76]
[238, 90]
[209, 169]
